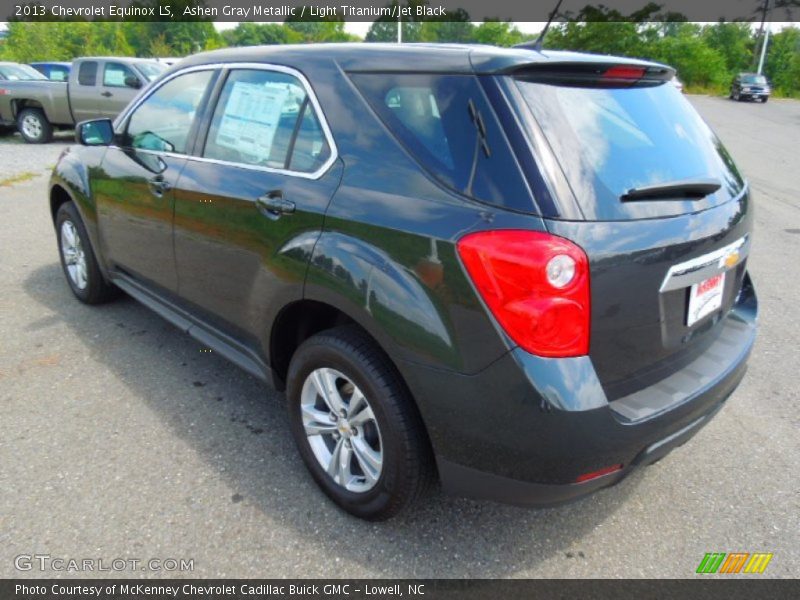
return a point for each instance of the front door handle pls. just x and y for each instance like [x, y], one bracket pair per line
[158, 185]
[107, 94]
[273, 205]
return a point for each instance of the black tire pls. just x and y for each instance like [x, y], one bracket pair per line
[34, 127]
[408, 467]
[96, 289]
[764, 99]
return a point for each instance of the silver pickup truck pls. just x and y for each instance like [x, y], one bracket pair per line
[97, 87]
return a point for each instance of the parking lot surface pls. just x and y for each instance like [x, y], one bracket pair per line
[119, 438]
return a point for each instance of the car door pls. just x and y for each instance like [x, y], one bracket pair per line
[116, 89]
[252, 199]
[134, 185]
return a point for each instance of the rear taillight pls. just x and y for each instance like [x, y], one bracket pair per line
[535, 284]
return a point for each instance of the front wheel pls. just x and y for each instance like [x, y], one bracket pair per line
[764, 99]
[78, 260]
[355, 425]
[34, 127]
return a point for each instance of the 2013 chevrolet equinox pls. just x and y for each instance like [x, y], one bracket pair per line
[522, 273]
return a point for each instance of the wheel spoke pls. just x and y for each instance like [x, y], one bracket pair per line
[345, 458]
[317, 422]
[334, 465]
[363, 416]
[325, 382]
[369, 460]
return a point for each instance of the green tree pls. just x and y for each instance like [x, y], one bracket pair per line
[384, 29]
[783, 61]
[734, 41]
[499, 33]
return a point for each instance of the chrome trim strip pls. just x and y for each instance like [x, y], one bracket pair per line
[244, 65]
[702, 267]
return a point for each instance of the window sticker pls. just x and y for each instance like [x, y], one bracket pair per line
[252, 115]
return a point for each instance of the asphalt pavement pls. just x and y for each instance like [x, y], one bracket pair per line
[121, 439]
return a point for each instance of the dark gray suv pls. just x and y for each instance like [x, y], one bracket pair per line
[522, 274]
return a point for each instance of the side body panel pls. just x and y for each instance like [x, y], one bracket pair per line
[51, 96]
[237, 264]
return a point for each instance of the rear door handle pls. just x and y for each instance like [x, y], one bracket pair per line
[107, 94]
[158, 185]
[272, 205]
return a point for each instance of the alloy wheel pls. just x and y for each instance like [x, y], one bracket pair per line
[74, 255]
[341, 429]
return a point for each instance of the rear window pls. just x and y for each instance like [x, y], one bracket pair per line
[447, 125]
[609, 140]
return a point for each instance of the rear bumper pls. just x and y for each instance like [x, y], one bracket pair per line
[525, 429]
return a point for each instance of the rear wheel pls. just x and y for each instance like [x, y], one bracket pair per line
[355, 425]
[34, 126]
[78, 260]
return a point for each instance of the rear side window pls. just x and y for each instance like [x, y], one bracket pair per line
[58, 73]
[264, 118]
[448, 126]
[87, 74]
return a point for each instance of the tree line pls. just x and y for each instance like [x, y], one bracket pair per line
[706, 56]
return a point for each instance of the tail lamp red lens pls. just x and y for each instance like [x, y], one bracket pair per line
[536, 285]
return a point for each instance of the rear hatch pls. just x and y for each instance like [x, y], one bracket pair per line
[631, 173]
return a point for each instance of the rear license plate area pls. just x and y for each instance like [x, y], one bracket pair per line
[705, 298]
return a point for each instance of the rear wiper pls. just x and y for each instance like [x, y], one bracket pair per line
[684, 189]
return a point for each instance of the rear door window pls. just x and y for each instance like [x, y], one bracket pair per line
[448, 126]
[87, 73]
[609, 140]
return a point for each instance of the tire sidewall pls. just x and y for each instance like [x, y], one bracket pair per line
[314, 355]
[44, 123]
[68, 212]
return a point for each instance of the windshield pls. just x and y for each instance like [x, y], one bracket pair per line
[20, 73]
[754, 79]
[611, 140]
[151, 70]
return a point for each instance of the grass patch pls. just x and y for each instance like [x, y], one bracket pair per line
[18, 178]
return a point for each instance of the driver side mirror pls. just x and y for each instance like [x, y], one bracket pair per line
[133, 82]
[98, 132]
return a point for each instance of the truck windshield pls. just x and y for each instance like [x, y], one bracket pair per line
[754, 79]
[151, 70]
[611, 140]
[19, 73]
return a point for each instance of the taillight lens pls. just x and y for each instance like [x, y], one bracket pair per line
[536, 285]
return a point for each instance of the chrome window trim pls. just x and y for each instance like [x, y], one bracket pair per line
[326, 131]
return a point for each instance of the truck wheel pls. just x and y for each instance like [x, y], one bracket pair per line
[764, 99]
[78, 260]
[34, 126]
[357, 429]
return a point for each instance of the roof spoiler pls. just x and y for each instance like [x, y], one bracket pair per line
[596, 74]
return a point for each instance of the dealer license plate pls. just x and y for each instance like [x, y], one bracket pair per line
[704, 298]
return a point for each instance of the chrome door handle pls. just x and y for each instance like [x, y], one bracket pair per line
[158, 185]
[272, 205]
